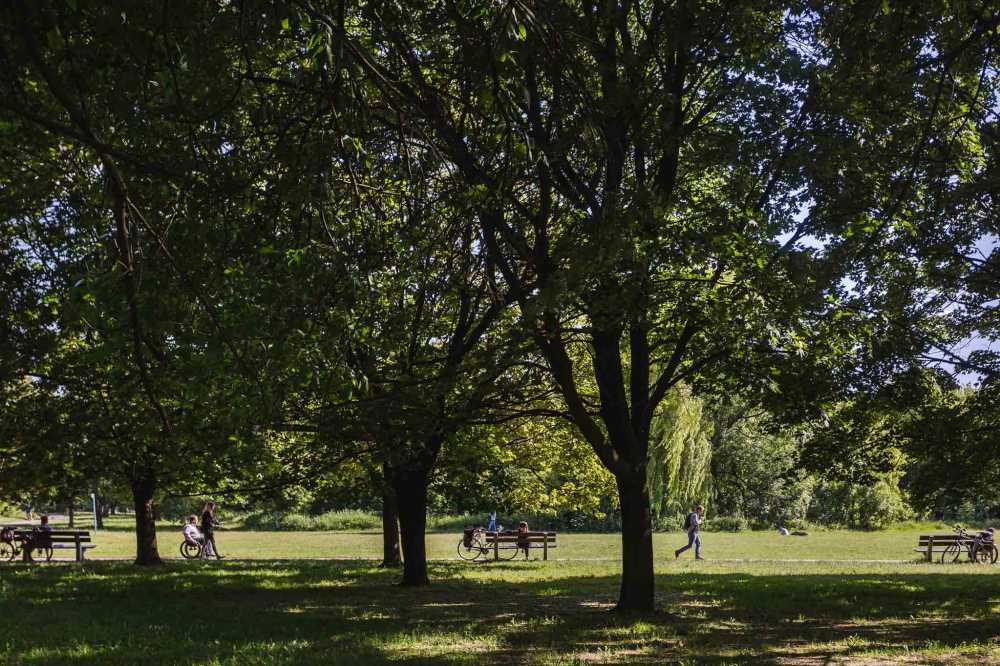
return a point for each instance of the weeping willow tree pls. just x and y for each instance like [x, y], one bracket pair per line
[680, 454]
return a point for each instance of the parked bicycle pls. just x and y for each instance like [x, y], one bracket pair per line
[979, 547]
[14, 543]
[474, 545]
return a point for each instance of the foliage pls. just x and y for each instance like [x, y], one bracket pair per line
[345, 519]
[726, 524]
[865, 506]
[680, 454]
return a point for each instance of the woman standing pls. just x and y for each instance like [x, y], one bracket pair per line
[208, 525]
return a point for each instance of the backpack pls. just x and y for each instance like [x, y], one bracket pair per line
[687, 522]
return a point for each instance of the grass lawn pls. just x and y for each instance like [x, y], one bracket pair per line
[752, 602]
[822, 545]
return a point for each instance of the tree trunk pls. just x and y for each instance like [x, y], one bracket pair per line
[638, 588]
[71, 513]
[410, 486]
[390, 529]
[145, 524]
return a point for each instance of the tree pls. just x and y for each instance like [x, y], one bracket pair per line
[110, 217]
[647, 173]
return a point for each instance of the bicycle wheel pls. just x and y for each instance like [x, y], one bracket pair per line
[190, 551]
[986, 554]
[6, 552]
[47, 551]
[510, 553]
[952, 553]
[470, 552]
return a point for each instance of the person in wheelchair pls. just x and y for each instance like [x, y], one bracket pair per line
[191, 533]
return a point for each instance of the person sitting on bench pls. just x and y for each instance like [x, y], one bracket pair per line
[522, 537]
[41, 537]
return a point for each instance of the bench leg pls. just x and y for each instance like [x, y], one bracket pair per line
[496, 550]
[545, 548]
[79, 552]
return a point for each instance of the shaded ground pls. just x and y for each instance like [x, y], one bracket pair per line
[508, 613]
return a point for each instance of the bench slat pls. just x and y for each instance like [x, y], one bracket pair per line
[511, 540]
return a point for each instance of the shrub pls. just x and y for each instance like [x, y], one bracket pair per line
[860, 506]
[331, 521]
[727, 524]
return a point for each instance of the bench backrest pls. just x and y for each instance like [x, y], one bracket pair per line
[526, 537]
[942, 540]
[59, 536]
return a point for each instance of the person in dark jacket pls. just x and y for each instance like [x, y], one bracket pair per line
[208, 525]
[692, 525]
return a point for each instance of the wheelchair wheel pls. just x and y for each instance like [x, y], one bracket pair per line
[190, 551]
[6, 552]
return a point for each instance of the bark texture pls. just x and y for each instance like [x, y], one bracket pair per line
[146, 552]
[391, 557]
[637, 591]
[410, 487]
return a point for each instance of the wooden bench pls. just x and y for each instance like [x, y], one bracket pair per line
[512, 540]
[78, 540]
[929, 544]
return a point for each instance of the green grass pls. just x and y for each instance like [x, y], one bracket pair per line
[825, 545]
[758, 599]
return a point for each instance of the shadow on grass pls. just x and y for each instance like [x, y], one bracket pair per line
[353, 613]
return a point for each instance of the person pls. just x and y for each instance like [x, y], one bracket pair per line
[41, 537]
[522, 537]
[44, 527]
[693, 526]
[491, 524]
[192, 535]
[208, 525]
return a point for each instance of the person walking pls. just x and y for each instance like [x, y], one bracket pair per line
[208, 525]
[491, 524]
[692, 524]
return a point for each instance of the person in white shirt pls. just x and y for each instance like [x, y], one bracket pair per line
[693, 526]
[191, 533]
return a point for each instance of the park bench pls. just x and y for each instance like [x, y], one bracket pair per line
[507, 540]
[929, 544]
[77, 540]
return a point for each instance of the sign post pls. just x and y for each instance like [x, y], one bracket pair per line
[93, 503]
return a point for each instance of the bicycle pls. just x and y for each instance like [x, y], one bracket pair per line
[10, 548]
[979, 548]
[473, 545]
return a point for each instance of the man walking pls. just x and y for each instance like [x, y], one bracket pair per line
[693, 526]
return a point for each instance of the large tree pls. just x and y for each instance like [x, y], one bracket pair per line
[121, 188]
[691, 190]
